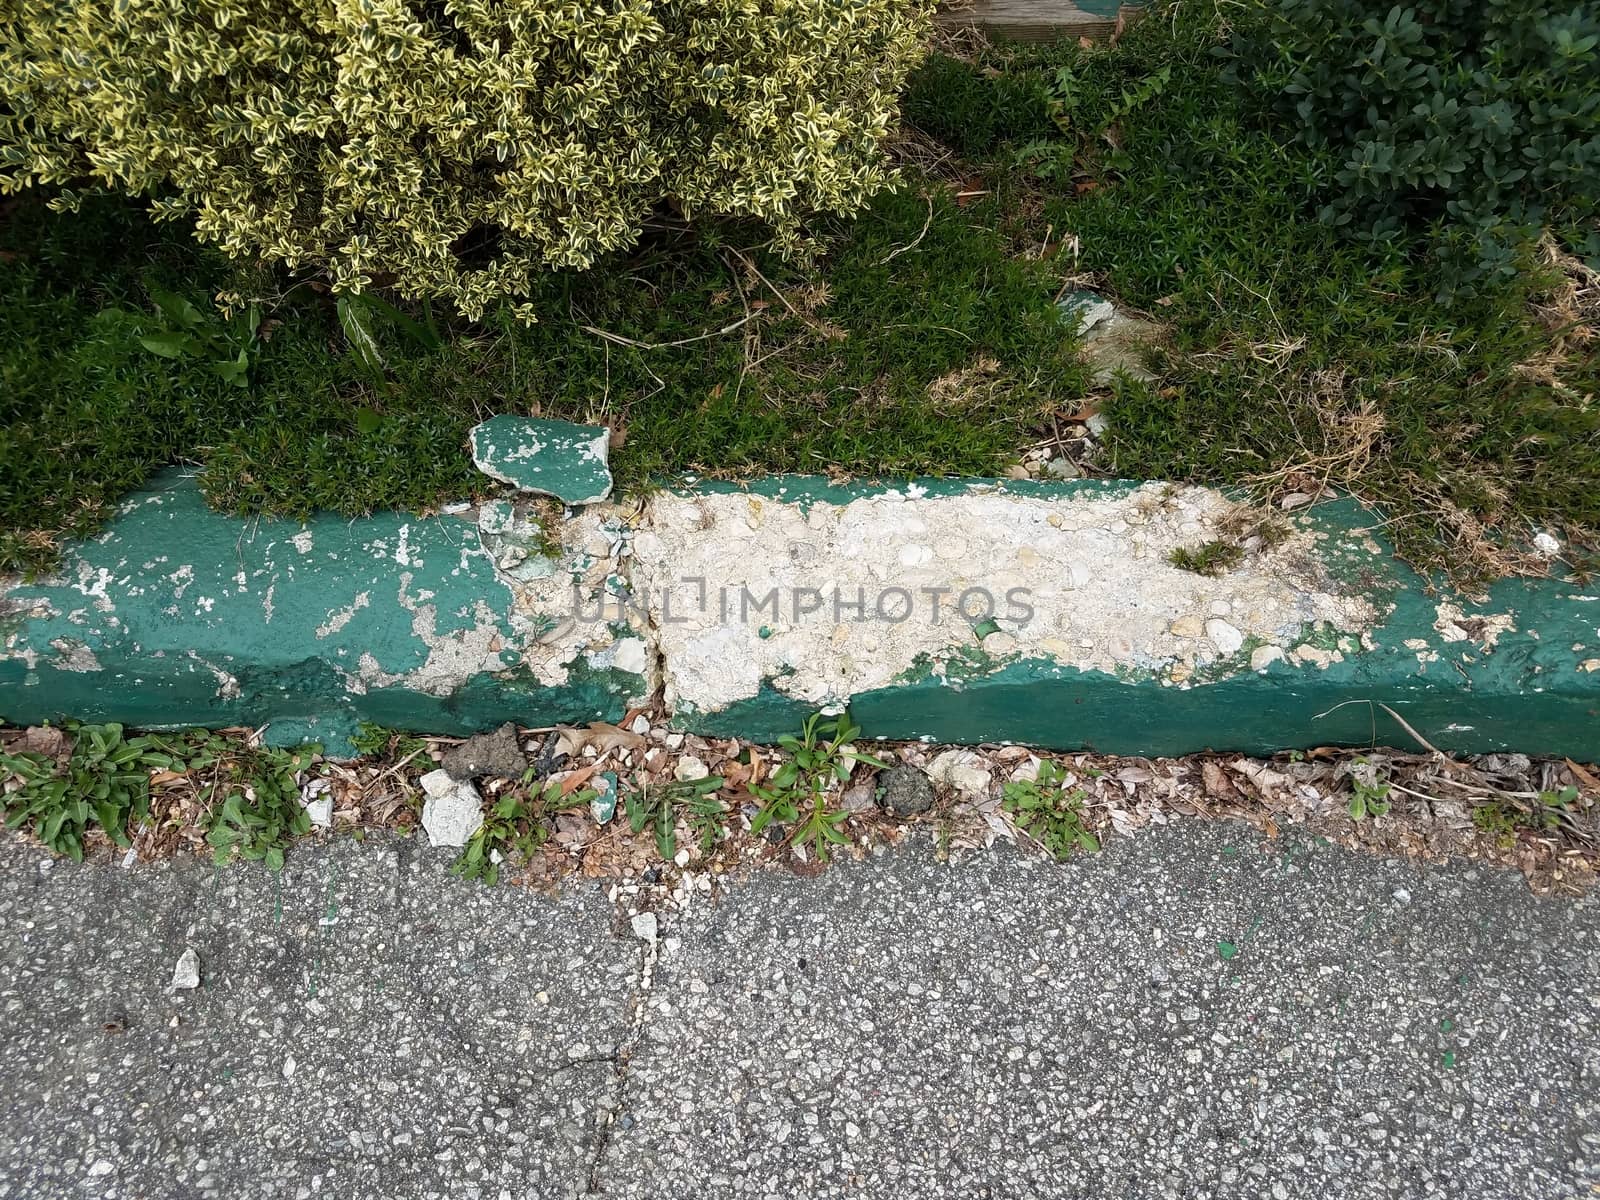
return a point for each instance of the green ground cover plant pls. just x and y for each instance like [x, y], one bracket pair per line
[923, 340]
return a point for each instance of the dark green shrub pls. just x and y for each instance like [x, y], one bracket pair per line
[1472, 122]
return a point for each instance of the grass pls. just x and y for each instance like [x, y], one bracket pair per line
[924, 341]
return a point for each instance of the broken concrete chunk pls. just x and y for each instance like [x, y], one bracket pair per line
[498, 754]
[961, 770]
[453, 811]
[553, 458]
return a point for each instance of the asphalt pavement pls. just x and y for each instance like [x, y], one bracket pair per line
[1195, 1012]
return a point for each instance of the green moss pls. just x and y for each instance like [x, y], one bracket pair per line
[1208, 558]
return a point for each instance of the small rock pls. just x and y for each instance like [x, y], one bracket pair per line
[1018, 471]
[1546, 545]
[100, 1167]
[1026, 771]
[906, 791]
[644, 926]
[498, 754]
[320, 811]
[453, 811]
[689, 767]
[1401, 896]
[186, 974]
[46, 740]
[641, 725]
[1224, 636]
[1062, 468]
[288, 1067]
[962, 770]
[1098, 424]
[1189, 626]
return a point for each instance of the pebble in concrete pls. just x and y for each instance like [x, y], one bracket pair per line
[552, 458]
[453, 811]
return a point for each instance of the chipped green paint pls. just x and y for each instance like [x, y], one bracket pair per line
[553, 458]
[177, 616]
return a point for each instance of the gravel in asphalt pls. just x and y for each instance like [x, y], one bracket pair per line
[1195, 1012]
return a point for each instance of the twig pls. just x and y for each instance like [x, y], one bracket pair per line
[637, 345]
[913, 244]
[756, 271]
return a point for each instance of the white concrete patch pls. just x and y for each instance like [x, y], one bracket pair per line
[828, 601]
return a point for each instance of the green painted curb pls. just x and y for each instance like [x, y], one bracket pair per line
[179, 616]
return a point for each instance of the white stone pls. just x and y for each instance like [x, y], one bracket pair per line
[1546, 545]
[641, 725]
[1224, 636]
[1263, 657]
[453, 811]
[689, 767]
[100, 1167]
[960, 769]
[437, 783]
[644, 926]
[317, 800]
[1098, 424]
[186, 974]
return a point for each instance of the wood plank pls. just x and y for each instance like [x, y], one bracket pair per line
[1038, 20]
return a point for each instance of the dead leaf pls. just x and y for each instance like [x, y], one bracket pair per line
[1586, 778]
[603, 737]
[576, 779]
[1218, 785]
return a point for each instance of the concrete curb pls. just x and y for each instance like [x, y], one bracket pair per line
[1064, 623]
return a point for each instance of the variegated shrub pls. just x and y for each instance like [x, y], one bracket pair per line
[453, 147]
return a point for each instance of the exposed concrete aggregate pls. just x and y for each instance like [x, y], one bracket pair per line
[1085, 581]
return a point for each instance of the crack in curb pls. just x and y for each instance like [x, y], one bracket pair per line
[617, 1102]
